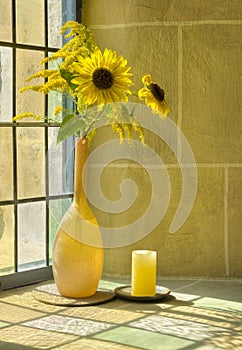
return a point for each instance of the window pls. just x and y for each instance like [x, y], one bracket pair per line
[36, 183]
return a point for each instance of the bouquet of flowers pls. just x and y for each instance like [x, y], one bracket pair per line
[92, 78]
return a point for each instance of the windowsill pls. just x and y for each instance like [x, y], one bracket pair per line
[204, 314]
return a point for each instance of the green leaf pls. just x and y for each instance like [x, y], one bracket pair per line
[70, 126]
[68, 77]
[67, 117]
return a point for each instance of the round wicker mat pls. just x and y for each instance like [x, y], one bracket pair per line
[49, 294]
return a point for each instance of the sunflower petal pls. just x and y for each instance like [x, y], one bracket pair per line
[117, 68]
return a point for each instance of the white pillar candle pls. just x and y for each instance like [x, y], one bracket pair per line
[143, 277]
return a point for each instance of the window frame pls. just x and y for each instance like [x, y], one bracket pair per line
[20, 278]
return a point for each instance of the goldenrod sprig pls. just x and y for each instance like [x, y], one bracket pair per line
[90, 78]
[42, 74]
[27, 115]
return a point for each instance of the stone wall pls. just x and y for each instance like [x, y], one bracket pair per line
[192, 49]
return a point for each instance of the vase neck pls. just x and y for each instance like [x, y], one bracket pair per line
[80, 177]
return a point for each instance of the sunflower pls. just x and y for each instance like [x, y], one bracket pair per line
[154, 96]
[102, 77]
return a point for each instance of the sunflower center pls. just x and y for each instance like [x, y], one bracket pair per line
[157, 92]
[102, 78]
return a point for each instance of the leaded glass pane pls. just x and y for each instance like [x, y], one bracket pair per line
[55, 155]
[54, 23]
[30, 162]
[6, 240]
[6, 99]
[31, 235]
[30, 21]
[61, 158]
[28, 63]
[6, 20]
[6, 164]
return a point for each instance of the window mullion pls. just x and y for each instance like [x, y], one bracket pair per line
[46, 145]
[14, 139]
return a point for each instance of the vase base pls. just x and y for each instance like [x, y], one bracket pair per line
[49, 294]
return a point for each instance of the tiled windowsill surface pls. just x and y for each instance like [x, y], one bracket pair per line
[205, 314]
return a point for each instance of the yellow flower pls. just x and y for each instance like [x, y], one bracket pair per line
[57, 110]
[102, 78]
[154, 96]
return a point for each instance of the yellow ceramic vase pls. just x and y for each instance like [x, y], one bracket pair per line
[78, 254]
